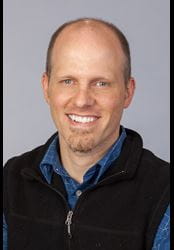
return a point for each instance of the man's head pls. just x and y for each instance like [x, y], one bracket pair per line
[81, 21]
[87, 84]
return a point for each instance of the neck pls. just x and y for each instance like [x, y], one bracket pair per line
[77, 163]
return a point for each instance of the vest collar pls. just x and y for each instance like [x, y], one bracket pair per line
[123, 168]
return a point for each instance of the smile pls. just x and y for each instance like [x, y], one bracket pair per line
[82, 119]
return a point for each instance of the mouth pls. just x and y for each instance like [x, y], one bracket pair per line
[85, 119]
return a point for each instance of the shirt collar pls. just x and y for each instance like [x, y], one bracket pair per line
[111, 155]
[51, 161]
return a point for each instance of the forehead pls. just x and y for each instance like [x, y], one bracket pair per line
[87, 35]
[87, 50]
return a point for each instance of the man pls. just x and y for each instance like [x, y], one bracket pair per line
[92, 185]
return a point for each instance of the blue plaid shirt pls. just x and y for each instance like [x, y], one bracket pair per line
[51, 162]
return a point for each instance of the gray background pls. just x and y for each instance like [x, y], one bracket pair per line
[28, 26]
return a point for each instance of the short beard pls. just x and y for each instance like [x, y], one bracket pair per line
[81, 141]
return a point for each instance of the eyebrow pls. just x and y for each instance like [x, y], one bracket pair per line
[98, 78]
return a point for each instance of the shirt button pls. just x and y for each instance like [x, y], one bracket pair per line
[78, 193]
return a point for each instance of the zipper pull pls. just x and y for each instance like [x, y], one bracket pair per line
[68, 222]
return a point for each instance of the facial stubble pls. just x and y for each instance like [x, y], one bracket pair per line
[81, 141]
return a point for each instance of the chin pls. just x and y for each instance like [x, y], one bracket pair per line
[81, 143]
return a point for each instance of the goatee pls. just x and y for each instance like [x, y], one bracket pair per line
[81, 141]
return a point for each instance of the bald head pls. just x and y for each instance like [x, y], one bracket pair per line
[90, 32]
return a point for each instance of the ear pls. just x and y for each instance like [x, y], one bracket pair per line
[45, 86]
[130, 88]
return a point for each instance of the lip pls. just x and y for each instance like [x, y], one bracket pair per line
[80, 124]
[84, 115]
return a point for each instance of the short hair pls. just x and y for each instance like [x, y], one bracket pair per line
[123, 41]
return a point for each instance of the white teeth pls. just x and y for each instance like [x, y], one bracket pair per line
[82, 119]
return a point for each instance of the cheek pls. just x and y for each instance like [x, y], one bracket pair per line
[112, 103]
[57, 100]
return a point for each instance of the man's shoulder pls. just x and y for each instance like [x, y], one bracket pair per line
[150, 159]
[30, 158]
[154, 169]
[147, 155]
[148, 163]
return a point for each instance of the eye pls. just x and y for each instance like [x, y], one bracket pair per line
[68, 81]
[102, 84]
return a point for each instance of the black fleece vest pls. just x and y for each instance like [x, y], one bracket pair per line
[123, 211]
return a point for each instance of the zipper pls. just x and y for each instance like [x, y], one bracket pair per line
[70, 213]
[68, 222]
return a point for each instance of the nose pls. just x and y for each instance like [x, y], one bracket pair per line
[84, 98]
